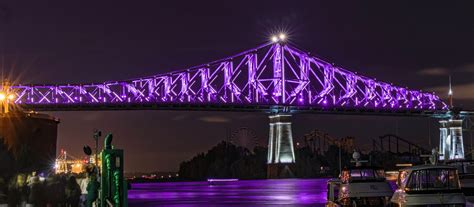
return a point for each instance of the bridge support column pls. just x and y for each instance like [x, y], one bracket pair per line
[281, 154]
[451, 146]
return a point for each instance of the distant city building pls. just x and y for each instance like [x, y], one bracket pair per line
[66, 163]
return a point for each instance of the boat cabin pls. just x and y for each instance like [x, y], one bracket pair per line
[362, 174]
[428, 185]
[359, 186]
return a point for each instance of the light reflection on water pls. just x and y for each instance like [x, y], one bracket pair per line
[288, 192]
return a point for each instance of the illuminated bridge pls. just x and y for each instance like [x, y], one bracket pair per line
[275, 77]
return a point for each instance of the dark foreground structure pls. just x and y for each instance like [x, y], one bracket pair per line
[27, 142]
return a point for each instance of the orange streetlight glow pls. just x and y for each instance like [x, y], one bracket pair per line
[6, 97]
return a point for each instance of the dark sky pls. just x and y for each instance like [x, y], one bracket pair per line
[410, 43]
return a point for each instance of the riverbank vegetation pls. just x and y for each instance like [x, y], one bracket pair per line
[226, 160]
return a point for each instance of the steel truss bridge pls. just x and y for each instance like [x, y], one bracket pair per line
[274, 76]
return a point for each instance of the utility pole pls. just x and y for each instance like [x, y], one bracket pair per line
[429, 133]
[340, 156]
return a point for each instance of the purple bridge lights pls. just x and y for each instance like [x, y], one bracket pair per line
[271, 75]
[275, 77]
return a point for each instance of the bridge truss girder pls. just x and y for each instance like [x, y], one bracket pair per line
[267, 77]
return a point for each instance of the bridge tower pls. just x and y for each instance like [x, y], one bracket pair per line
[281, 154]
[451, 146]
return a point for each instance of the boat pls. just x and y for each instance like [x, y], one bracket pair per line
[359, 186]
[466, 176]
[428, 185]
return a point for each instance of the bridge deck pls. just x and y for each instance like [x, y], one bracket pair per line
[234, 108]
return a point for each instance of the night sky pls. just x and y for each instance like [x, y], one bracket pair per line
[416, 44]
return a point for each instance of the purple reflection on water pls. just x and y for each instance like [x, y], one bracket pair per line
[292, 192]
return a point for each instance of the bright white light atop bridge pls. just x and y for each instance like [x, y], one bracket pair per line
[277, 38]
[282, 36]
[274, 39]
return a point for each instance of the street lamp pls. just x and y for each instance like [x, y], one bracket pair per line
[6, 97]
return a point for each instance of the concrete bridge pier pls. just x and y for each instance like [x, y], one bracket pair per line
[451, 146]
[281, 154]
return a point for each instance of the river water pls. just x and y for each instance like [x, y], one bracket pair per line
[284, 192]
